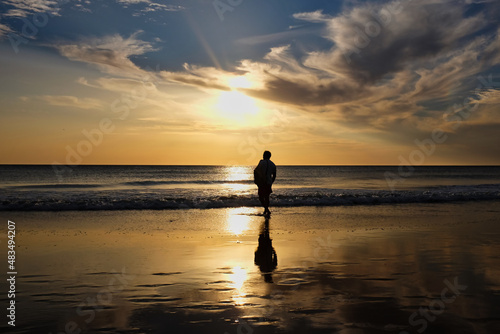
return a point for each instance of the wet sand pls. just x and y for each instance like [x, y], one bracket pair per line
[415, 268]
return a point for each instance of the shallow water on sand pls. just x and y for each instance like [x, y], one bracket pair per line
[375, 269]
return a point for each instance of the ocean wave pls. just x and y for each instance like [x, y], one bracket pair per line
[148, 183]
[157, 183]
[56, 186]
[116, 200]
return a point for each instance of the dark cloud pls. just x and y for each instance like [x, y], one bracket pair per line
[374, 41]
[422, 53]
[301, 93]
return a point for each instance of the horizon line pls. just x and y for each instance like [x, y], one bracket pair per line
[285, 165]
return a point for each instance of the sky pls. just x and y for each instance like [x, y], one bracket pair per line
[217, 82]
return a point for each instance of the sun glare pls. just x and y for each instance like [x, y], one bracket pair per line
[235, 173]
[238, 220]
[237, 224]
[236, 106]
[238, 277]
[239, 82]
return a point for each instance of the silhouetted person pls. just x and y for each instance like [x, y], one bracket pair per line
[264, 176]
[265, 255]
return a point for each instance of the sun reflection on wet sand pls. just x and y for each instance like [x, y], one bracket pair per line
[238, 278]
[238, 220]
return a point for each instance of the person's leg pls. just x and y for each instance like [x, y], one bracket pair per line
[262, 198]
[266, 204]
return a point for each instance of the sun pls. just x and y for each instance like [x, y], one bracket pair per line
[239, 82]
[234, 105]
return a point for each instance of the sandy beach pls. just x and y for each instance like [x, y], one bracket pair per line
[412, 268]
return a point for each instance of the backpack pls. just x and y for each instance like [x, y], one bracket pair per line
[259, 178]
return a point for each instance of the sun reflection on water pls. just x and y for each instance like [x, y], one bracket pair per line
[237, 178]
[238, 278]
[236, 173]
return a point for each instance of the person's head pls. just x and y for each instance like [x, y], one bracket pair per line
[267, 155]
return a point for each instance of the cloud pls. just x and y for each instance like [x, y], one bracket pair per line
[144, 94]
[488, 96]
[67, 101]
[203, 77]
[449, 73]
[4, 30]
[23, 8]
[425, 53]
[275, 37]
[372, 41]
[315, 17]
[478, 1]
[395, 87]
[109, 53]
[407, 53]
[151, 6]
[82, 8]
[125, 86]
[132, 2]
[396, 80]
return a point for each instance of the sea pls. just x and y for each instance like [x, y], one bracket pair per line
[109, 187]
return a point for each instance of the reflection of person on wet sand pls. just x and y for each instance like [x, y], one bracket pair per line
[265, 255]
